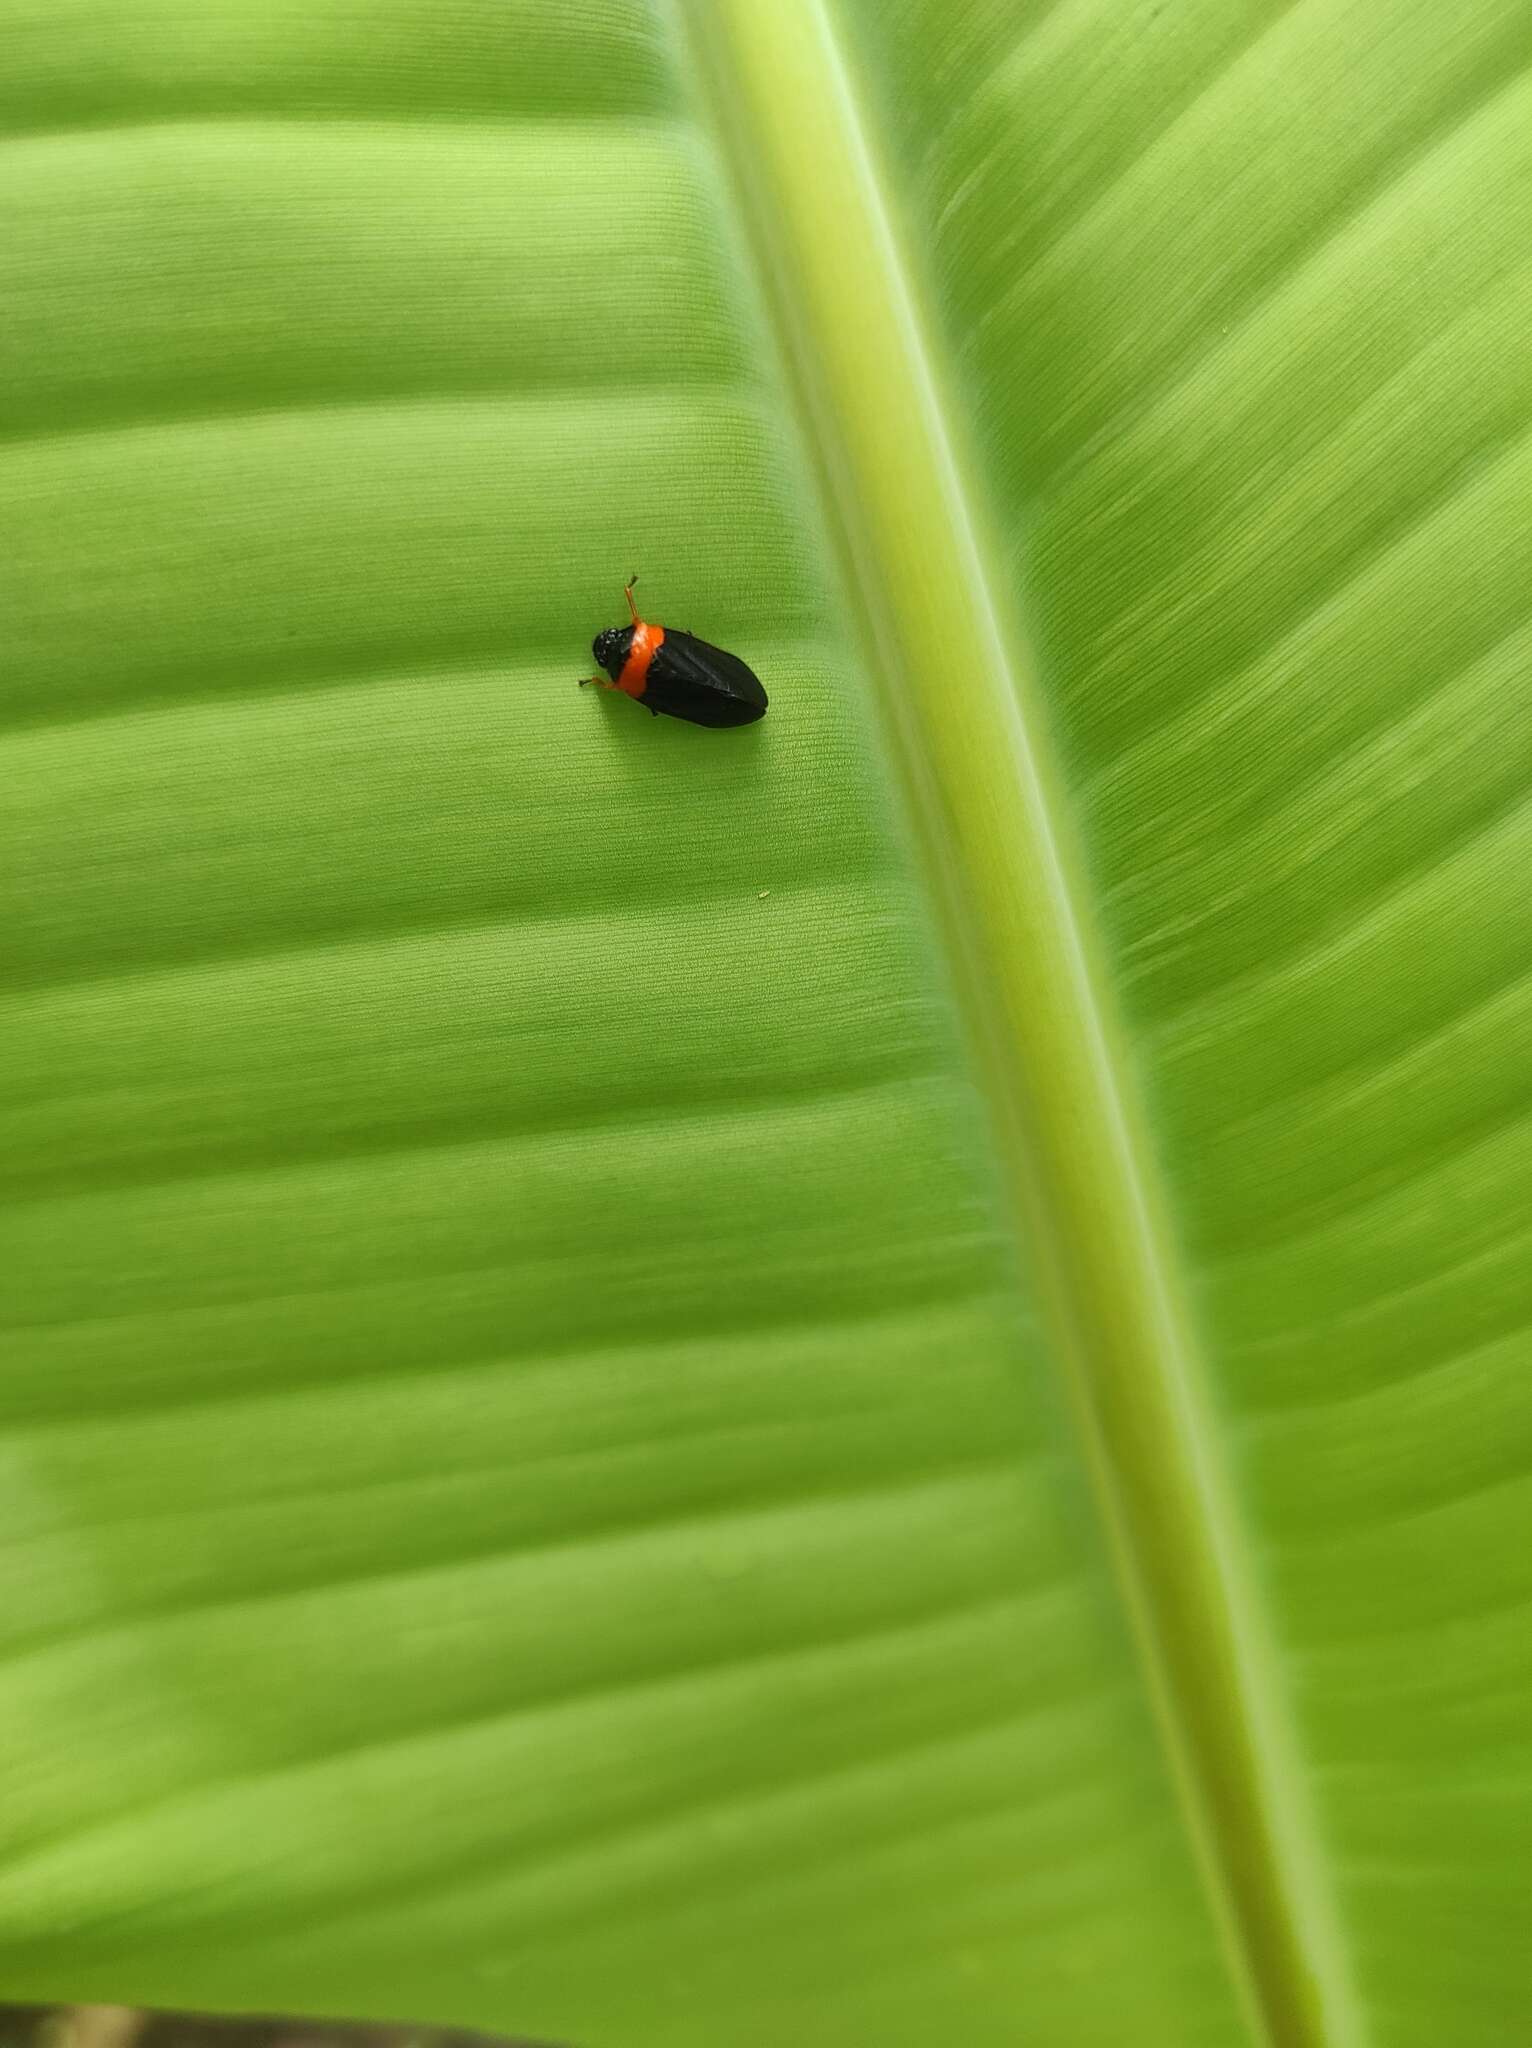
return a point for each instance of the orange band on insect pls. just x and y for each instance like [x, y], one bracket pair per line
[647, 641]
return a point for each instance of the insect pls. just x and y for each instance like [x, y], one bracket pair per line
[674, 672]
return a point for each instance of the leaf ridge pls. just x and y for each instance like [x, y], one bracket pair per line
[996, 833]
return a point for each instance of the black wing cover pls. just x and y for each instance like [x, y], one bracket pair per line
[690, 679]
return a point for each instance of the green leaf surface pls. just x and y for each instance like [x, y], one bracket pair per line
[863, 1381]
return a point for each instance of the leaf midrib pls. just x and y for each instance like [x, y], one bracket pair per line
[995, 833]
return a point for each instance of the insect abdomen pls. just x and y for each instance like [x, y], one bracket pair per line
[689, 678]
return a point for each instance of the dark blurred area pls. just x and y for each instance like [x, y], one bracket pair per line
[130, 2026]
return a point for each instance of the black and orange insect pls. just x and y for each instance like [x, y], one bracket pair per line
[667, 670]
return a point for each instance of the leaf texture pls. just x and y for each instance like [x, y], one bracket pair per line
[587, 1448]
